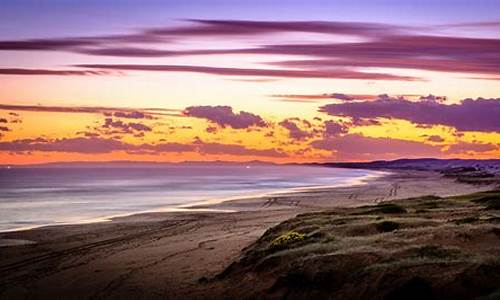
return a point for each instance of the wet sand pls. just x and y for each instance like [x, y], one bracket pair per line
[170, 255]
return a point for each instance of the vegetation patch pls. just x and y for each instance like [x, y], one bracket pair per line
[466, 220]
[329, 239]
[425, 198]
[314, 255]
[490, 201]
[429, 205]
[387, 226]
[389, 208]
[284, 241]
[432, 251]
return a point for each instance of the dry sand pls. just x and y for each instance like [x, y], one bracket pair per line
[167, 255]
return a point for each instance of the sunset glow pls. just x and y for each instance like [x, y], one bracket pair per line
[99, 82]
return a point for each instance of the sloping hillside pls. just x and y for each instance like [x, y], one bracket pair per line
[420, 248]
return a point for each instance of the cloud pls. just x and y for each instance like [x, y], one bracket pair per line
[403, 51]
[224, 116]
[145, 52]
[376, 46]
[333, 128]
[17, 71]
[468, 115]
[470, 148]
[80, 145]
[283, 73]
[44, 44]
[233, 149]
[197, 28]
[245, 27]
[4, 128]
[88, 145]
[490, 24]
[95, 145]
[132, 115]
[359, 147]
[433, 98]
[442, 53]
[318, 97]
[125, 127]
[3, 120]
[77, 43]
[294, 131]
[211, 129]
[123, 112]
[435, 139]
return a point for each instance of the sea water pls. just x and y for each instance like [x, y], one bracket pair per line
[38, 196]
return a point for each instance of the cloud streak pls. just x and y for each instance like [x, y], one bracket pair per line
[18, 71]
[321, 97]
[283, 73]
[377, 46]
[246, 27]
[121, 112]
[198, 28]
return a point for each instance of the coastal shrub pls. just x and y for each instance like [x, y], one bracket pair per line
[491, 202]
[425, 198]
[432, 251]
[389, 208]
[387, 226]
[466, 220]
[285, 240]
[328, 239]
[429, 204]
[494, 205]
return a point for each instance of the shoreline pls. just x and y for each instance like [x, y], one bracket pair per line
[204, 205]
[289, 191]
[158, 255]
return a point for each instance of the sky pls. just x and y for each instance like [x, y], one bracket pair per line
[280, 81]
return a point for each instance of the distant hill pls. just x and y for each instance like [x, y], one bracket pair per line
[434, 164]
[431, 164]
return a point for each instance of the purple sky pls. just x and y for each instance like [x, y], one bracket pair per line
[289, 80]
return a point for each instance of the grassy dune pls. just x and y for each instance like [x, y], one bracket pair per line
[420, 248]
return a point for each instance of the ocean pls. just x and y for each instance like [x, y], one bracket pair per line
[38, 196]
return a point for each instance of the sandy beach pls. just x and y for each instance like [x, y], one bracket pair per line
[171, 255]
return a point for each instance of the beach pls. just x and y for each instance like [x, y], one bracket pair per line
[173, 254]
